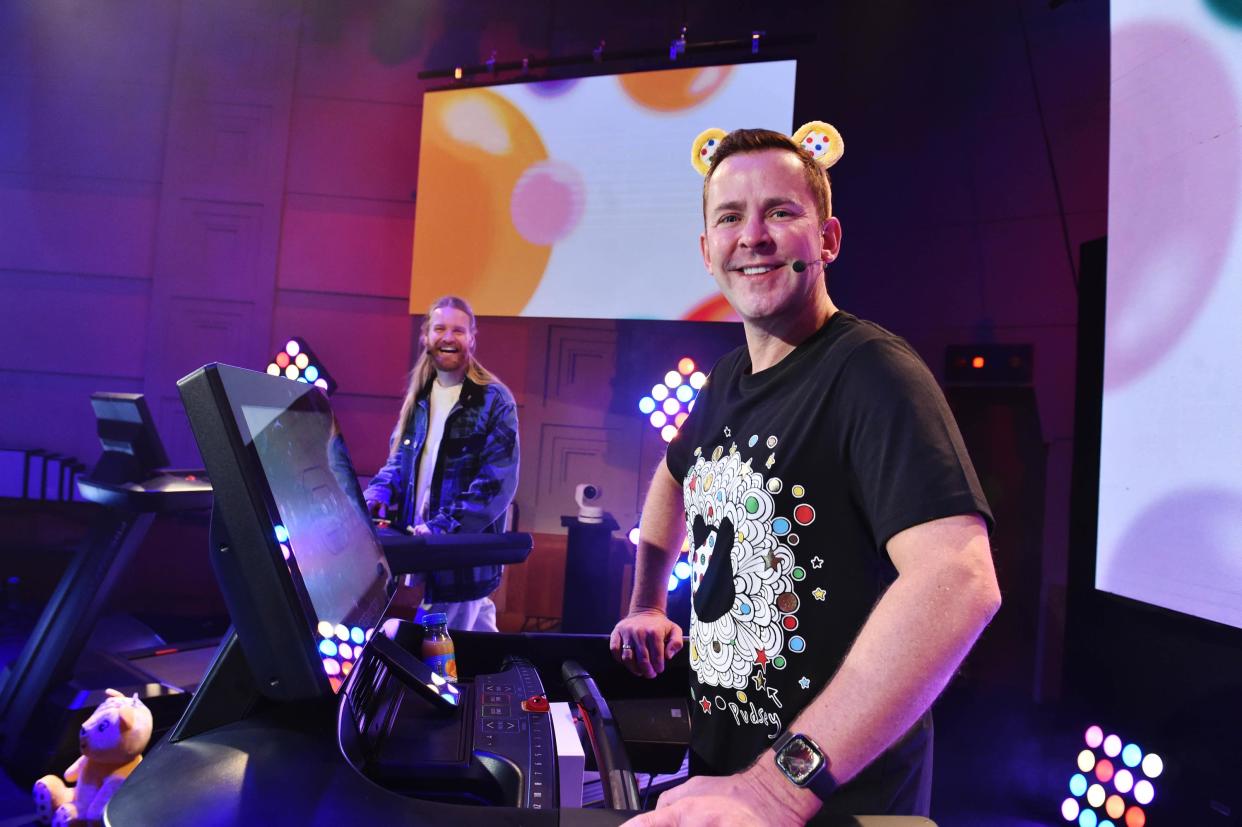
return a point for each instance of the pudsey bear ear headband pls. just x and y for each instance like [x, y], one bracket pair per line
[820, 139]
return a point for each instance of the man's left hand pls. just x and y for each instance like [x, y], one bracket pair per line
[739, 799]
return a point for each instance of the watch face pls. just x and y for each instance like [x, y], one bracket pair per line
[799, 759]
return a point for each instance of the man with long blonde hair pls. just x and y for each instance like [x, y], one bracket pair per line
[453, 459]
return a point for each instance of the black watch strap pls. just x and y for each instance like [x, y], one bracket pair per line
[802, 761]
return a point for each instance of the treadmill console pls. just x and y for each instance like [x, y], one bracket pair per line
[494, 747]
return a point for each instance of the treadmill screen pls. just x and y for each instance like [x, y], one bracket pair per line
[319, 519]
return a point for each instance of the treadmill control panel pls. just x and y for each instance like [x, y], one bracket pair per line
[510, 725]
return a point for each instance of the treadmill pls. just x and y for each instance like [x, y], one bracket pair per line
[67, 662]
[316, 711]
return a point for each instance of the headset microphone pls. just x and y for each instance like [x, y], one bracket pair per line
[799, 265]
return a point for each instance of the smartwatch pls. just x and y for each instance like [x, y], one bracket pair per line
[804, 763]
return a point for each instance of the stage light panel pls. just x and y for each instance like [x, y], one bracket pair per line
[670, 401]
[298, 363]
[1108, 762]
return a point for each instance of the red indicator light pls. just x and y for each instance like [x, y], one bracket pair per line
[977, 362]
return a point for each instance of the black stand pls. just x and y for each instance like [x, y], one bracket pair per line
[594, 566]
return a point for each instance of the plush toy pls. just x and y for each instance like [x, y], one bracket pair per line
[111, 741]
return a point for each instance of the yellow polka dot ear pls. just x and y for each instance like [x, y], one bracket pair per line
[822, 140]
[704, 148]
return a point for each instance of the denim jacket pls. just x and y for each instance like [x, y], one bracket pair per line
[475, 478]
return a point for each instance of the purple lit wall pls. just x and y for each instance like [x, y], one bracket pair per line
[183, 182]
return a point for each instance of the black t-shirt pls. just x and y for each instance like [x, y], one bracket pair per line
[794, 480]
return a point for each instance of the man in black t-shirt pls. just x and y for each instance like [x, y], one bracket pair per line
[841, 566]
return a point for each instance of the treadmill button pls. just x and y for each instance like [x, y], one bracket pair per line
[495, 711]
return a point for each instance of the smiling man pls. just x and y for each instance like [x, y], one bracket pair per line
[453, 459]
[839, 534]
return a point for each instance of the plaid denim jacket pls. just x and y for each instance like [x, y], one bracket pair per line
[475, 478]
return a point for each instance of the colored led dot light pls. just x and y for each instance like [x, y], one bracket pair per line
[331, 666]
[668, 432]
[291, 372]
[325, 628]
[1112, 746]
[292, 347]
[672, 378]
[634, 535]
[327, 648]
[680, 418]
[1123, 781]
[672, 582]
[682, 570]
[1086, 760]
[685, 366]
[1131, 755]
[301, 360]
[685, 393]
[358, 636]
[1095, 795]
[1144, 792]
[1115, 806]
[273, 369]
[1135, 817]
[1078, 783]
[671, 406]
[285, 551]
[1104, 770]
[1095, 736]
[698, 379]
[1069, 809]
[282, 533]
[646, 404]
[659, 419]
[282, 360]
[1152, 765]
[1088, 818]
[322, 384]
[341, 631]
[659, 393]
[345, 651]
[312, 373]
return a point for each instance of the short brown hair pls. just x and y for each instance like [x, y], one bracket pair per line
[757, 140]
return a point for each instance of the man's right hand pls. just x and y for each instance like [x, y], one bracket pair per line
[643, 640]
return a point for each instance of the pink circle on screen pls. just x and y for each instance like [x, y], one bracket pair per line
[1173, 170]
[547, 202]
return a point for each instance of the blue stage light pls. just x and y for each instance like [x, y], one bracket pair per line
[1131, 756]
[673, 582]
[682, 570]
[327, 648]
[1078, 784]
[358, 636]
[282, 534]
[646, 405]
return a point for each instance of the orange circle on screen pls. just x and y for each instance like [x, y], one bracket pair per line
[475, 147]
[667, 91]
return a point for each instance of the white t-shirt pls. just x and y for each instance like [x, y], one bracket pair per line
[439, 405]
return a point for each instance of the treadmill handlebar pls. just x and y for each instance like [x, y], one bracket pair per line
[619, 784]
[412, 553]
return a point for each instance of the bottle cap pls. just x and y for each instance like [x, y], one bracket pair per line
[435, 619]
